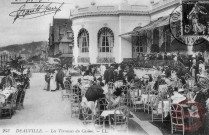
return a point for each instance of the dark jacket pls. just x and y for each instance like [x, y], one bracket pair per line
[106, 76]
[120, 75]
[60, 76]
[110, 75]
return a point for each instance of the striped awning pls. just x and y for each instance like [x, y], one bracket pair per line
[162, 21]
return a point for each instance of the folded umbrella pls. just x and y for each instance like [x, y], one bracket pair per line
[94, 93]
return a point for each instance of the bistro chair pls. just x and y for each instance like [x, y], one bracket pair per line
[158, 104]
[148, 102]
[9, 106]
[125, 89]
[111, 87]
[65, 94]
[177, 118]
[88, 116]
[120, 120]
[102, 105]
[75, 105]
[136, 100]
[67, 85]
[76, 90]
[124, 100]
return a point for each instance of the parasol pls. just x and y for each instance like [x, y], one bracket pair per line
[94, 92]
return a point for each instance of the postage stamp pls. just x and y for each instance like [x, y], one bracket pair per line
[189, 22]
[195, 19]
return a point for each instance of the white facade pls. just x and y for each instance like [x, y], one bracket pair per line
[121, 18]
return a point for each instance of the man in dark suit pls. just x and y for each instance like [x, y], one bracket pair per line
[59, 79]
[106, 78]
[111, 74]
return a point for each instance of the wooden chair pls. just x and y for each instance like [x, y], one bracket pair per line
[66, 93]
[75, 105]
[120, 120]
[158, 114]
[67, 85]
[136, 100]
[102, 105]
[177, 118]
[111, 87]
[148, 103]
[88, 116]
[124, 101]
[124, 89]
[10, 106]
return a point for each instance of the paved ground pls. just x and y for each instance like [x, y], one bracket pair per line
[45, 111]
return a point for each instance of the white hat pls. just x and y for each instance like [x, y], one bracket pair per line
[180, 90]
[85, 78]
[146, 77]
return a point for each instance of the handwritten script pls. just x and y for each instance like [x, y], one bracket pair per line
[28, 10]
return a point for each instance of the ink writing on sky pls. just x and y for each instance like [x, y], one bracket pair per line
[30, 9]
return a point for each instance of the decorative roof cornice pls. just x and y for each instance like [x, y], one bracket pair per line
[109, 13]
[116, 12]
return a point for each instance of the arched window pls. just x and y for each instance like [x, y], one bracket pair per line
[105, 40]
[83, 40]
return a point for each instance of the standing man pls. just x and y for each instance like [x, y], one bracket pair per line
[110, 74]
[47, 80]
[106, 77]
[59, 78]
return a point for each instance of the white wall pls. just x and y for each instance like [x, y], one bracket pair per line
[93, 25]
[127, 24]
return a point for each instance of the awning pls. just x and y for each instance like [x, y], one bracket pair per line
[129, 33]
[162, 21]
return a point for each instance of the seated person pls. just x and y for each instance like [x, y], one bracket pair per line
[177, 96]
[68, 78]
[99, 82]
[160, 81]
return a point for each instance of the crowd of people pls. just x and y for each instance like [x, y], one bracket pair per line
[12, 90]
[183, 83]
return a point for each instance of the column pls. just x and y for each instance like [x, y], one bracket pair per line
[93, 48]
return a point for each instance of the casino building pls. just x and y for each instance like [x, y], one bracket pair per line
[111, 33]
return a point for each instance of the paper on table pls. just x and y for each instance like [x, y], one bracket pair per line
[105, 113]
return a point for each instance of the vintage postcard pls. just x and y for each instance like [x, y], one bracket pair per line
[102, 67]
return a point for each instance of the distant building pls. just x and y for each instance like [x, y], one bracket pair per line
[61, 39]
[6, 57]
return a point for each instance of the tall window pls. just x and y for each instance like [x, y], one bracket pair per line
[139, 45]
[105, 40]
[83, 40]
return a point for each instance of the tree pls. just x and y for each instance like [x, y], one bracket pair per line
[16, 63]
[154, 48]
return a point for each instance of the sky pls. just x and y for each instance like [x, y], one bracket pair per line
[37, 29]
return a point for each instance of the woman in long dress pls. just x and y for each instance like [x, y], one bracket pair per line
[52, 81]
[194, 17]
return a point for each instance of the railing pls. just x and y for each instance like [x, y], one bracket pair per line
[105, 59]
[151, 63]
[83, 60]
